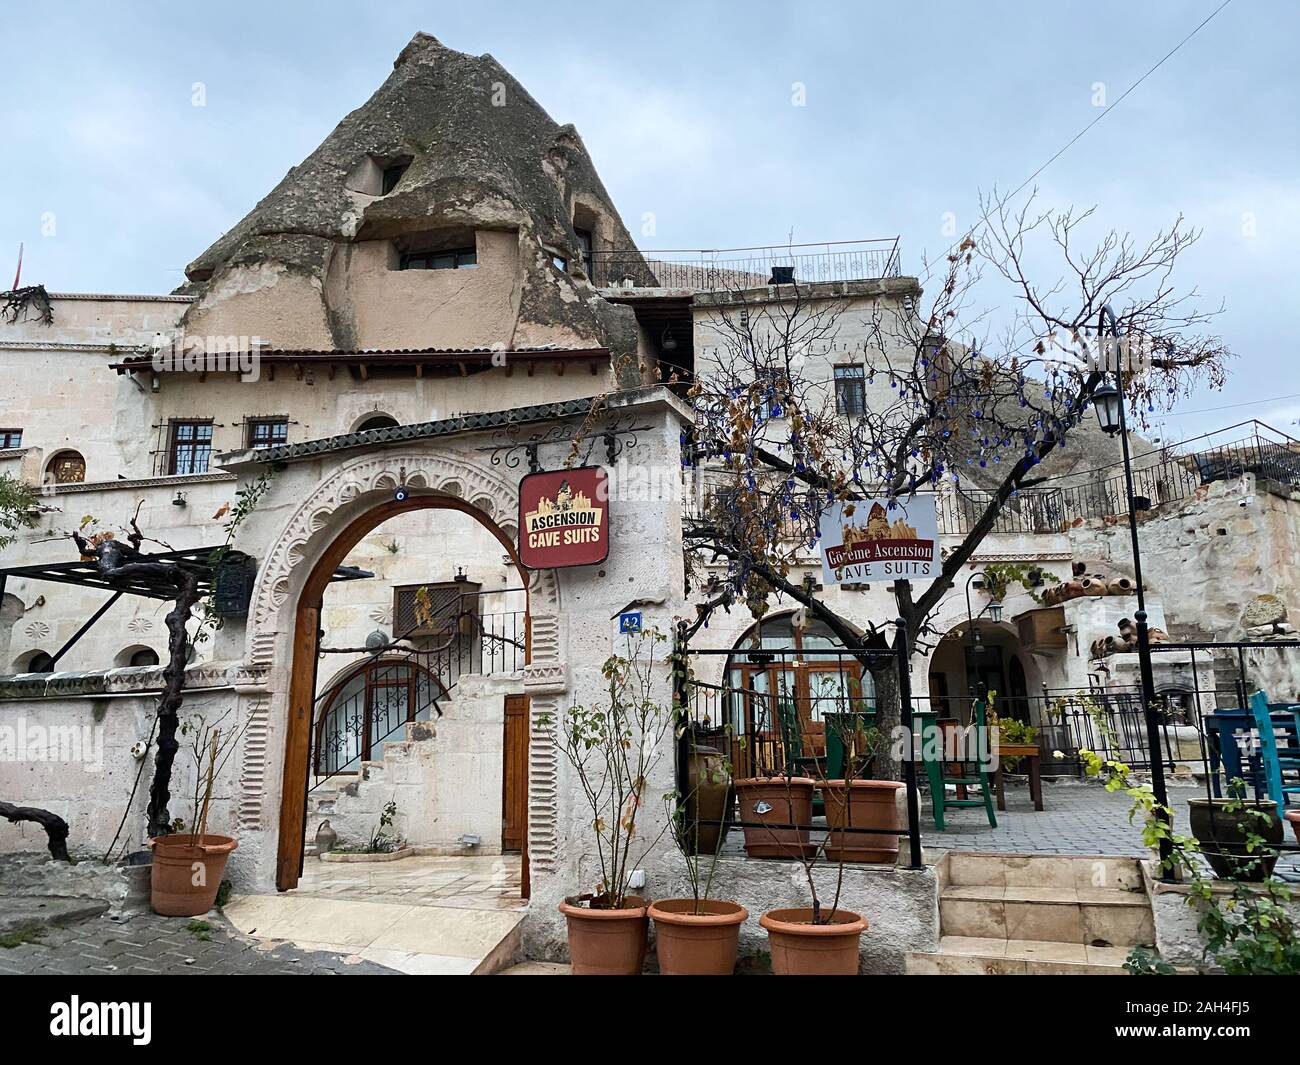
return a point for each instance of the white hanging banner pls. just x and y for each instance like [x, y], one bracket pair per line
[866, 541]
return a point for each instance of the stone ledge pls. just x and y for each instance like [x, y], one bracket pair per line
[119, 681]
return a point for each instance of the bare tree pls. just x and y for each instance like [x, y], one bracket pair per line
[948, 408]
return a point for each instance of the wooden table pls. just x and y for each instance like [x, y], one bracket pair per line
[1031, 754]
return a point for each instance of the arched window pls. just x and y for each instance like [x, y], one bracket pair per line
[781, 702]
[40, 662]
[369, 706]
[67, 467]
[377, 421]
[137, 656]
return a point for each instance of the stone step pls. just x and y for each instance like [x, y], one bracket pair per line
[1094, 916]
[1042, 870]
[416, 940]
[989, 956]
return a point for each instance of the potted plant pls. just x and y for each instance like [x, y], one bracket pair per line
[822, 940]
[614, 746]
[187, 866]
[776, 808]
[854, 800]
[1232, 834]
[698, 936]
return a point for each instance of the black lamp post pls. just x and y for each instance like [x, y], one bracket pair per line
[1108, 401]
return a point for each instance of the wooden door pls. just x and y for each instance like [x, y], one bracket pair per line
[514, 774]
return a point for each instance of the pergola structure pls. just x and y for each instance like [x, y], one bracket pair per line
[86, 573]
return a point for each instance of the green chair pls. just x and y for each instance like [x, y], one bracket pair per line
[839, 725]
[796, 763]
[941, 773]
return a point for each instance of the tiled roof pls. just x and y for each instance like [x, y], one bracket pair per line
[465, 423]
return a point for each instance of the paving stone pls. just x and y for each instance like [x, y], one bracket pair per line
[148, 944]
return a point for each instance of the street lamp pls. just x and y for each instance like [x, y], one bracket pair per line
[1108, 401]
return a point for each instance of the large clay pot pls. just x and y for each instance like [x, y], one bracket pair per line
[607, 942]
[777, 801]
[697, 938]
[1092, 586]
[1293, 816]
[1070, 590]
[801, 948]
[862, 804]
[1222, 836]
[1121, 586]
[708, 800]
[187, 873]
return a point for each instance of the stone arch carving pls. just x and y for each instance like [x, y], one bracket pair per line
[379, 474]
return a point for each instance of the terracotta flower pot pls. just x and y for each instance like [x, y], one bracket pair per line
[708, 800]
[187, 875]
[801, 948]
[697, 939]
[607, 942]
[776, 801]
[1222, 836]
[1293, 816]
[862, 804]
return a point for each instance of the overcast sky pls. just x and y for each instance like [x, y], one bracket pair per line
[911, 110]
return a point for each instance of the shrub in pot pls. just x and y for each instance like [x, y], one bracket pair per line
[698, 936]
[822, 939]
[614, 746]
[1232, 834]
[188, 865]
[776, 815]
[856, 801]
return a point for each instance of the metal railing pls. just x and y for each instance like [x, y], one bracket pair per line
[723, 269]
[786, 713]
[408, 682]
[1164, 476]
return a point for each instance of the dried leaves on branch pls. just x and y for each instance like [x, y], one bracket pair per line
[949, 409]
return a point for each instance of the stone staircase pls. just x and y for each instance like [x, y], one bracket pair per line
[1037, 914]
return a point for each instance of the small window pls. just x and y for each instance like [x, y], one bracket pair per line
[10, 438]
[456, 259]
[392, 175]
[146, 656]
[67, 467]
[429, 609]
[378, 421]
[585, 245]
[850, 390]
[191, 447]
[267, 432]
[40, 662]
[560, 263]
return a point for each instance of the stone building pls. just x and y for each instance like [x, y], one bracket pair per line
[439, 297]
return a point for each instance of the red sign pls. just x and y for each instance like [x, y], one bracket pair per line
[564, 518]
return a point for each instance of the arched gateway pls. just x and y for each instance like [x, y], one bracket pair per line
[322, 501]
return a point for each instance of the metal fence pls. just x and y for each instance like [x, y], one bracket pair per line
[723, 269]
[1159, 477]
[787, 713]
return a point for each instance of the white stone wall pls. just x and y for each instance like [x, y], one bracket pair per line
[69, 751]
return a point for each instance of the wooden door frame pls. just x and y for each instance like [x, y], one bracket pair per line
[505, 767]
[302, 676]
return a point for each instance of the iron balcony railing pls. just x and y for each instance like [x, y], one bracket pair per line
[724, 269]
[407, 684]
